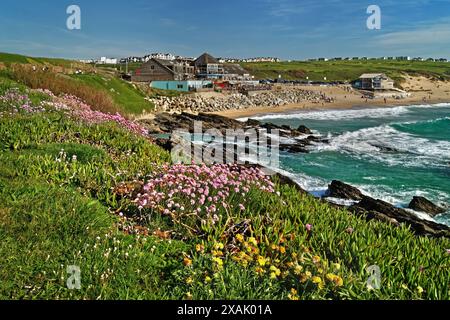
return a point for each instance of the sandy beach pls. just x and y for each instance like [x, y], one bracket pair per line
[422, 90]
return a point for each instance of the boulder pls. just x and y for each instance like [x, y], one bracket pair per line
[338, 189]
[305, 130]
[424, 205]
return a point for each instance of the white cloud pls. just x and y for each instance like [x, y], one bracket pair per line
[437, 34]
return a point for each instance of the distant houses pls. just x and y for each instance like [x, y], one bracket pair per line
[399, 58]
[249, 60]
[205, 67]
[374, 81]
[160, 69]
[102, 60]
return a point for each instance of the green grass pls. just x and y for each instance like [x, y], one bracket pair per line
[124, 94]
[17, 58]
[347, 70]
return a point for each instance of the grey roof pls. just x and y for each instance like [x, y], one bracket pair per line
[372, 75]
[205, 59]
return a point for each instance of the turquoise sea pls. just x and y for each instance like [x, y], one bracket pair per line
[391, 154]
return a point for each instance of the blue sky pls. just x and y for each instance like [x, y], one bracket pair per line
[289, 29]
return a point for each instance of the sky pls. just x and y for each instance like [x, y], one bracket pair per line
[288, 29]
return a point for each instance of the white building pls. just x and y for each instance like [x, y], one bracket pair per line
[105, 60]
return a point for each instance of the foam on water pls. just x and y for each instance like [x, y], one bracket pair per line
[342, 114]
[393, 147]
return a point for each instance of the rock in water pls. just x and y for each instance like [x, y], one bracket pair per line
[338, 189]
[383, 211]
[424, 205]
[305, 130]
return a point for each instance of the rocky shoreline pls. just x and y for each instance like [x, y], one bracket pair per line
[237, 101]
[299, 141]
[375, 209]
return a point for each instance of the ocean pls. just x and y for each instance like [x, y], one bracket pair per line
[390, 154]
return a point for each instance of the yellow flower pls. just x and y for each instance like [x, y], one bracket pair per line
[217, 253]
[259, 270]
[218, 261]
[187, 262]
[273, 275]
[330, 277]
[294, 255]
[316, 259]
[283, 250]
[208, 279]
[188, 296]
[189, 280]
[262, 261]
[337, 280]
[218, 246]
[253, 241]
[275, 270]
[293, 295]
[239, 237]
[336, 266]
[419, 289]
[404, 286]
[317, 280]
[298, 269]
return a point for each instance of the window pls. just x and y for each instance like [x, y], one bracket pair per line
[180, 86]
[152, 67]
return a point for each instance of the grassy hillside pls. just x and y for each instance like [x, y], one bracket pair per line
[8, 58]
[123, 93]
[68, 180]
[99, 87]
[347, 70]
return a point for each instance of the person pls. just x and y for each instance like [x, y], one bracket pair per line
[385, 100]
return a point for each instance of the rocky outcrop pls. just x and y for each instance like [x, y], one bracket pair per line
[340, 190]
[374, 209]
[424, 205]
[304, 129]
[167, 123]
[274, 98]
[383, 211]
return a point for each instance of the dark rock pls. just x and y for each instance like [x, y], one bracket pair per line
[424, 205]
[166, 144]
[385, 148]
[253, 123]
[305, 130]
[293, 148]
[338, 189]
[383, 211]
